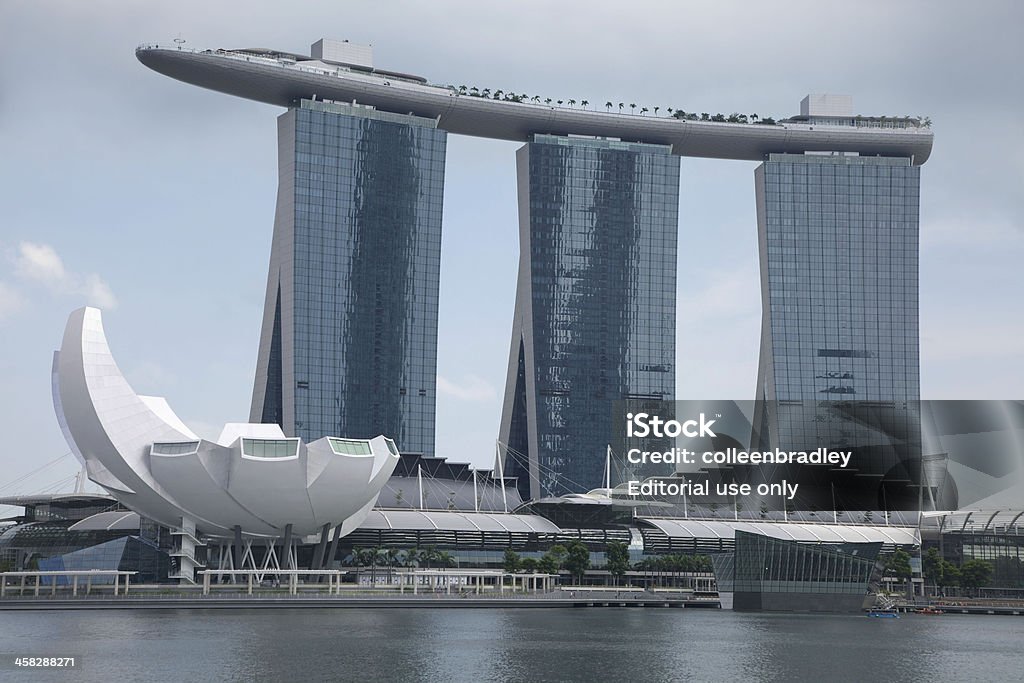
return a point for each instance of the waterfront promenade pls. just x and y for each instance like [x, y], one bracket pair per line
[162, 598]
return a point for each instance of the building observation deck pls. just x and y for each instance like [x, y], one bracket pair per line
[347, 75]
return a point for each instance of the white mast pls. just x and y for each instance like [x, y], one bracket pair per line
[501, 475]
[476, 499]
[419, 481]
[608, 468]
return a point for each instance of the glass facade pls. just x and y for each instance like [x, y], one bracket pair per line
[350, 447]
[270, 448]
[774, 565]
[595, 311]
[175, 448]
[839, 265]
[766, 573]
[1003, 550]
[839, 366]
[128, 553]
[349, 344]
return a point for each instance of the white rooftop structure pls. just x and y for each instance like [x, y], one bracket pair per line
[826, 106]
[342, 52]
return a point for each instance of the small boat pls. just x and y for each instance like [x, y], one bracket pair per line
[883, 614]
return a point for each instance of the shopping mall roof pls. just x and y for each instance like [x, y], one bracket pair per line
[813, 533]
[443, 520]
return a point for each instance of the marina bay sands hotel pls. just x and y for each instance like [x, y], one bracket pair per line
[349, 338]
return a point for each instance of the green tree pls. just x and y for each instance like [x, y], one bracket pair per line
[553, 559]
[512, 561]
[577, 560]
[427, 556]
[898, 564]
[528, 565]
[949, 574]
[974, 574]
[393, 557]
[931, 566]
[618, 560]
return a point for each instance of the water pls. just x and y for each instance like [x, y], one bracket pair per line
[419, 644]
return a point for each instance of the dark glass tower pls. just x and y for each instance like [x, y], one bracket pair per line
[838, 241]
[839, 365]
[349, 341]
[595, 314]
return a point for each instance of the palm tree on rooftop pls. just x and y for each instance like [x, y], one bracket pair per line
[535, 98]
[584, 104]
[462, 89]
[643, 110]
[547, 100]
[608, 106]
[632, 106]
[572, 103]
[621, 105]
[656, 110]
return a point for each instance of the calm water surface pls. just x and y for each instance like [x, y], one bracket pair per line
[511, 645]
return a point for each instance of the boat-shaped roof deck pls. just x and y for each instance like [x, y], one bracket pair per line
[283, 79]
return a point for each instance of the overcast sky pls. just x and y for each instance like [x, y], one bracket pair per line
[154, 199]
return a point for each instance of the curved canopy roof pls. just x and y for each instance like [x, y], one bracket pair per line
[443, 520]
[120, 520]
[975, 521]
[820, 533]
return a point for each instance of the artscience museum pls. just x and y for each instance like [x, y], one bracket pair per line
[252, 482]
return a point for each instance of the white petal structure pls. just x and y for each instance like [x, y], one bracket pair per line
[254, 478]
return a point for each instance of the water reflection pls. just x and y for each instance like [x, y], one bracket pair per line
[513, 645]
